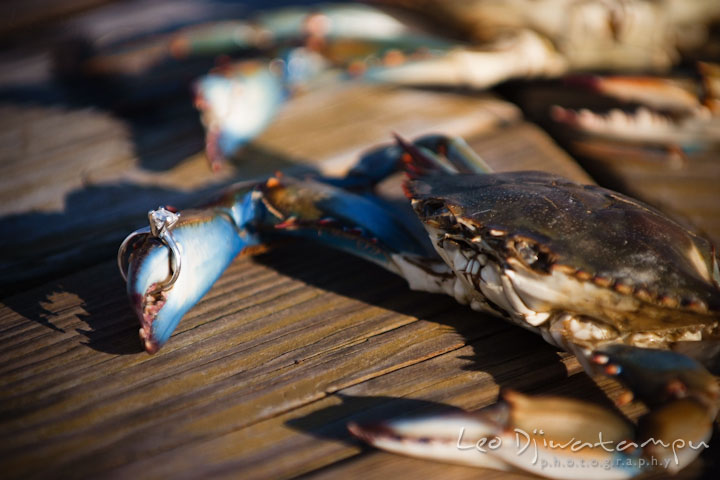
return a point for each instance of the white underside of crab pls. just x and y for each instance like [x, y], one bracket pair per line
[557, 306]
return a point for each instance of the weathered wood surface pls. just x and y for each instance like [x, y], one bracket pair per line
[261, 377]
[263, 374]
[76, 181]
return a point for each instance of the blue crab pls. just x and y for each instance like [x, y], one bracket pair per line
[678, 115]
[592, 271]
[484, 43]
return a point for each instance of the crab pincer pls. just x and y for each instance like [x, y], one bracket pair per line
[170, 266]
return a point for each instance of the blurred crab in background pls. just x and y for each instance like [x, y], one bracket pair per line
[680, 115]
[592, 271]
[474, 44]
[498, 41]
[653, 137]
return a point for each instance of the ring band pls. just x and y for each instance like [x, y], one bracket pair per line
[123, 247]
[162, 222]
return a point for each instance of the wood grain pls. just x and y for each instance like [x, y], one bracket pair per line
[262, 375]
[288, 333]
[76, 181]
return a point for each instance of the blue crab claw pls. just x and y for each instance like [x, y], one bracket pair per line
[236, 103]
[206, 245]
[171, 266]
[435, 437]
[542, 435]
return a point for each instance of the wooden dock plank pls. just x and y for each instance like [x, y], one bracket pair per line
[295, 354]
[252, 447]
[316, 436]
[277, 333]
[262, 376]
[76, 181]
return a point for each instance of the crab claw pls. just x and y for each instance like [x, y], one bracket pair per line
[174, 263]
[170, 269]
[682, 395]
[236, 103]
[542, 435]
[206, 246]
[658, 376]
[524, 54]
[439, 437]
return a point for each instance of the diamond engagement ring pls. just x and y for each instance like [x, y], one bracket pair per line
[162, 221]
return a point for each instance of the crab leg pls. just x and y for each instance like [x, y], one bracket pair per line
[555, 437]
[682, 395]
[525, 55]
[448, 154]
[432, 154]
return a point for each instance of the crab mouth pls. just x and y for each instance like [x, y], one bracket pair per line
[487, 286]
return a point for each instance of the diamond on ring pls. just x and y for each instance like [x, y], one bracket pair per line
[162, 220]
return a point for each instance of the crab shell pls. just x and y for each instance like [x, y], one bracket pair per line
[580, 262]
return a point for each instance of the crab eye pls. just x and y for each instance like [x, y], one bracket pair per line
[432, 208]
[527, 252]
